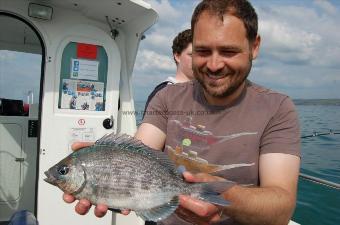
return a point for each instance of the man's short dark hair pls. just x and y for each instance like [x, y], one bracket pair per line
[181, 42]
[241, 9]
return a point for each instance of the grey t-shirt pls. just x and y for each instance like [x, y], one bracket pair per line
[224, 140]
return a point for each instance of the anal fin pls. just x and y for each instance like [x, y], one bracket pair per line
[160, 212]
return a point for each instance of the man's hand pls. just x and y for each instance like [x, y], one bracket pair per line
[83, 205]
[196, 211]
[271, 203]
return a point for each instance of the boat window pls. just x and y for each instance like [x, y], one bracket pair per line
[21, 60]
[83, 77]
[20, 67]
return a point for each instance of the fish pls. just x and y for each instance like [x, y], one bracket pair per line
[120, 171]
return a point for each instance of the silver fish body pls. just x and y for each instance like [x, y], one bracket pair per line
[123, 173]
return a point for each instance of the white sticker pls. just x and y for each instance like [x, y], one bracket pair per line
[84, 69]
[82, 95]
[81, 135]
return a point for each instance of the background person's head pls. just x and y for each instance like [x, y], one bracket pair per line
[182, 52]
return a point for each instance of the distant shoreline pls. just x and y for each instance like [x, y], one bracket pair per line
[335, 102]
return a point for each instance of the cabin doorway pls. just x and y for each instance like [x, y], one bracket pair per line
[21, 75]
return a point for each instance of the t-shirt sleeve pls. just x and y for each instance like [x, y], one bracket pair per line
[153, 93]
[282, 133]
[156, 111]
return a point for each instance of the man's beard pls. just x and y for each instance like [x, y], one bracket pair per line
[228, 90]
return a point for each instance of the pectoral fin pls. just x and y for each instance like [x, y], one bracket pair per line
[211, 191]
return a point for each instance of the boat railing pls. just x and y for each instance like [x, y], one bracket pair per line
[320, 181]
[315, 133]
[314, 179]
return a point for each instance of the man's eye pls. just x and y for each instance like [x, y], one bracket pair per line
[202, 52]
[229, 53]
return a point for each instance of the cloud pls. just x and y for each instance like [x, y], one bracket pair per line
[165, 11]
[299, 35]
[299, 53]
[286, 43]
[19, 74]
[151, 60]
[160, 42]
[151, 68]
[326, 6]
[299, 82]
[7, 55]
[154, 59]
[171, 21]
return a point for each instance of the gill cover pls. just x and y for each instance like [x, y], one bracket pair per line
[72, 178]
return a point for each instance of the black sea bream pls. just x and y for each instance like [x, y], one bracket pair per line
[123, 173]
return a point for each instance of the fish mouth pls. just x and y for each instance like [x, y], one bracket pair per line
[49, 179]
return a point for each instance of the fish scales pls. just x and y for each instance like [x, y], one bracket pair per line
[124, 168]
[121, 172]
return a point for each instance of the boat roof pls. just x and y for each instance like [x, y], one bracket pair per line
[120, 12]
[129, 15]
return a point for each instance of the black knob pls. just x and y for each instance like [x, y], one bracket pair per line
[108, 123]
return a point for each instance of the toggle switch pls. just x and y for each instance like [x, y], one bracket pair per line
[108, 123]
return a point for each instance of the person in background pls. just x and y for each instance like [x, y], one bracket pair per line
[182, 52]
[23, 217]
[242, 132]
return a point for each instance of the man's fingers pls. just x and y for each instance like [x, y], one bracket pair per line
[197, 206]
[100, 210]
[125, 212]
[189, 177]
[191, 217]
[83, 206]
[78, 145]
[68, 198]
[201, 177]
[215, 218]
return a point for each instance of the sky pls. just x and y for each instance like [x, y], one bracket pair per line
[299, 54]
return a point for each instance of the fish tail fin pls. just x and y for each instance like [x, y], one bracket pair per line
[211, 192]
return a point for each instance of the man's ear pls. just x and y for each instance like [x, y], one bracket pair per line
[255, 48]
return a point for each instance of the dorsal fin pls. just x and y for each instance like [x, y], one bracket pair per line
[126, 142]
[123, 141]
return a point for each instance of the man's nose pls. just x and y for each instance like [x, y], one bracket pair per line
[215, 62]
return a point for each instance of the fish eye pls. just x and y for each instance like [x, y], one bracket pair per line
[63, 170]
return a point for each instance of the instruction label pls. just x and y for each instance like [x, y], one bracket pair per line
[84, 69]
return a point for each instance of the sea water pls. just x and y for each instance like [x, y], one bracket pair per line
[316, 204]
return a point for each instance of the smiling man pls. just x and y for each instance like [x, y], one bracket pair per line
[223, 126]
[225, 41]
[222, 61]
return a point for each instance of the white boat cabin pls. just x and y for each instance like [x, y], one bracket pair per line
[65, 76]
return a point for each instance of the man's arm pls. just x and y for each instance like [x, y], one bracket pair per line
[271, 203]
[274, 201]
[151, 136]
